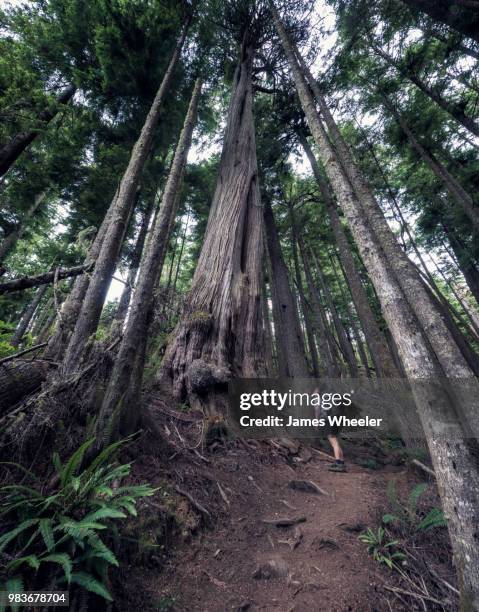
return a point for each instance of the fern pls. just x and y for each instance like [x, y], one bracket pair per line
[64, 527]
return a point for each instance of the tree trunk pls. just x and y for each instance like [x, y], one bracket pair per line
[378, 347]
[122, 310]
[149, 272]
[289, 340]
[454, 458]
[90, 312]
[328, 359]
[11, 239]
[344, 343]
[454, 188]
[268, 332]
[12, 150]
[450, 107]
[458, 18]
[27, 316]
[463, 260]
[220, 333]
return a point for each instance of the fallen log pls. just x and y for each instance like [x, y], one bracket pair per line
[26, 282]
[20, 378]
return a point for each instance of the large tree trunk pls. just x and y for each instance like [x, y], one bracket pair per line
[449, 355]
[220, 333]
[27, 316]
[453, 109]
[11, 151]
[376, 341]
[455, 189]
[454, 458]
[288, 336]
[150, 270]
[11, 239]
[457, 16]
[90, 312]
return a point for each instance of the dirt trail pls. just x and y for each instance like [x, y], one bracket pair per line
[320, 564]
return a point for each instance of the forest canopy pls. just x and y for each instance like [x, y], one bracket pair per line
[198, 191]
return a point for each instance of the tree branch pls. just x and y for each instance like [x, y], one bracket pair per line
[42, 279]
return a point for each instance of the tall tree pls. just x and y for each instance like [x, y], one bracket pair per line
[121, 209]
[456, 463]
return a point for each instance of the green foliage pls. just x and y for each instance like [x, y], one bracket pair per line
[383, 550]
[60, 531]
[407, 515]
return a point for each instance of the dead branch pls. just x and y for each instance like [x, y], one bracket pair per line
[42, 279]
[24, 352]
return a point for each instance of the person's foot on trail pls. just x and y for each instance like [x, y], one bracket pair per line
[338, 466]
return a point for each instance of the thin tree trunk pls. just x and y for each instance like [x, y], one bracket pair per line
[268, 332]
[453, 458]
[90, 312]
[11, 239]
[378, 347]
[149, 272]
[463, 261]
[448, 13]
[450, 107]
[455, 189]
[122, 309]
[327, 353]
[289, 341]
[344, 343]
[308, 323]
[12, 150]
[220, 333]
[28, 316]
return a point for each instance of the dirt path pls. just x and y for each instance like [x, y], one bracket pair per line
[243, 563]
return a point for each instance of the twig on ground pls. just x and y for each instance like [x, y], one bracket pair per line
[193, 502]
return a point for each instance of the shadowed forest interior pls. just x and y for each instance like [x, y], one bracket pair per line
[194, 192]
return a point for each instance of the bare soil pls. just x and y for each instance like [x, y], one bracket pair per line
[226, 553]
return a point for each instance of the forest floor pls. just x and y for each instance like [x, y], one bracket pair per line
[228, 555]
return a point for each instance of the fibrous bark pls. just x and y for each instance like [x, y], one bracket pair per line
[220, 333]
[288, 336]
[149, 272]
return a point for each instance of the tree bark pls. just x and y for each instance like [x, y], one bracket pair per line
[454, 458]
[344, 343]
[11, 239]
[220, 333]
[26, 282]
[376, 341]
[464, 21]
[11, 151]
[450, 107]
[19, 378]
[149, 272]
[90, 312]
[27, 316]
[289, 340]
[122, 309]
